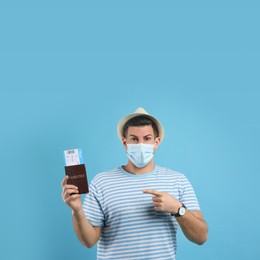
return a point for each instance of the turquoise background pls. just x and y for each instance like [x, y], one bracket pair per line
[69, 70]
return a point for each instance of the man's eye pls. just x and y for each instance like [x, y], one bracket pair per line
[148, 138]
[134, 139]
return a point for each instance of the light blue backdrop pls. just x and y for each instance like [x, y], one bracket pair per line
[70, 70]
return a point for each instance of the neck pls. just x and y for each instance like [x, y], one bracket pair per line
[131, 168]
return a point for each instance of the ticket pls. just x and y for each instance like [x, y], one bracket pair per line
[73, 157]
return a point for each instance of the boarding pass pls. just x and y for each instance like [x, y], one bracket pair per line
[73, 157]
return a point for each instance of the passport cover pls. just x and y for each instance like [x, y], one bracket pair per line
[78, 177]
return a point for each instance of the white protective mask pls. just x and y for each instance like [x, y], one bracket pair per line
[140, 154]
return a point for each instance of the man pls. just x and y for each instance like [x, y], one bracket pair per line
[133, 211]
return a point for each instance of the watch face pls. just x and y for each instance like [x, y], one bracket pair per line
[182, 211]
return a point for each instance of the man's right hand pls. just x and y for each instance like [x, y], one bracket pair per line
[70, 195]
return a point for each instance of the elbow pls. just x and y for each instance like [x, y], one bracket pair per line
[202, 241]
[203, 237]
[87, 244]
[199, 240]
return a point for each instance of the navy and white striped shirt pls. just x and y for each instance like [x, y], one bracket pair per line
[131, 227]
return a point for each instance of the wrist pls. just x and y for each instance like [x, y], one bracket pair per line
[77, 212]
[181, 211]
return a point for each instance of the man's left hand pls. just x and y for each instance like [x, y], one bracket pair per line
[164, 202]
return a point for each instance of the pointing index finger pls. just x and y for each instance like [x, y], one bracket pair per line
[152, 192]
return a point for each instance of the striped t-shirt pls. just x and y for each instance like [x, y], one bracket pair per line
[131, 227]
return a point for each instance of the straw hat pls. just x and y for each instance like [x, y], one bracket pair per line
[139, 112]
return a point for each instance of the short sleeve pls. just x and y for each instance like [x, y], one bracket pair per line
[92, 207]
[188, 196]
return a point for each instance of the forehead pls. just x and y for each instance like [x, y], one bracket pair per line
[140, 130]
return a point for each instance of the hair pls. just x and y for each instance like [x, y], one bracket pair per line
[140, 121]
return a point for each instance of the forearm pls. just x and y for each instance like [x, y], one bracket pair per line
[85, 232]
[194, 227]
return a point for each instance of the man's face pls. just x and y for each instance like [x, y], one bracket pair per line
[141, 134]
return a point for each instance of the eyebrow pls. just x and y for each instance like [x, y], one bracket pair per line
[138, 137]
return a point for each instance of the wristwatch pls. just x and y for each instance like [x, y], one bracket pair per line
[181, 211]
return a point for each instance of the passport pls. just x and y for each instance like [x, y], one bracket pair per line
[78, 177]
[76, 169]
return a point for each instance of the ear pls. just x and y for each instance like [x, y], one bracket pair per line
[157, 142]
[124, 142]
